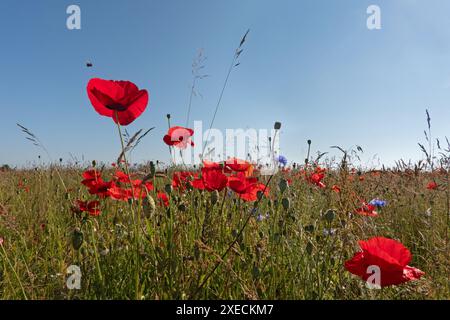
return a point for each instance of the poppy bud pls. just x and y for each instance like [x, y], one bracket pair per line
[259, 194]
[168, 188]
[168, 116]
[149, 206]
[277, 125]
[330, 215]
[214, 197]
[94, 163]
[77, 238]
[283, 185]
[286, 203]
[309, 142]
[309, 247]
[152, 169]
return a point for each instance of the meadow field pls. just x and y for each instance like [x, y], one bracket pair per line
[320, 229]
[178, 240]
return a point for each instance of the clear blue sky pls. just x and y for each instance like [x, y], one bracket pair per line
[312, 65]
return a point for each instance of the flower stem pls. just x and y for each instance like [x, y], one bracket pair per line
[136, 225]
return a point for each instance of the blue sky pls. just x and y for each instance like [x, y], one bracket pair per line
[312, 65]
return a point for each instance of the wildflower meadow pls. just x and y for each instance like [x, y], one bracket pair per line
[202, 227]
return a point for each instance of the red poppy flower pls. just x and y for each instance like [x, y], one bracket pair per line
[91, 177]
[389, 255]
[163, 198]
[92, 207]
[122, 176]
[336, 188]
[138, 191]
[22, 186]
[101, 188]
[238, 165]
[211, 180]
[316, 177]
[367, 210]
[181, 178]
[120, 100]
[432, 185]
[212, 165]
[179, 137]
[246, 187]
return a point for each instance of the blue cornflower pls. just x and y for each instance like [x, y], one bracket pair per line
[282, 160]
[260, 217]
[378, 203]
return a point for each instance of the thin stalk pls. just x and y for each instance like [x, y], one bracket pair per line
[136, 225]
[222, 257]
[233, 62]
[15, 273]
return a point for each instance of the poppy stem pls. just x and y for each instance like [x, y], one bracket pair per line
[236, 239]
[223, 201]
[170, 148]
[136, 225]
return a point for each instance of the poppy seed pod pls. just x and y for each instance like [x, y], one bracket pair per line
[277, 125]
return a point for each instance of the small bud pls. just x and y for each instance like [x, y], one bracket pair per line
[330, 215]
[214, 197]
[309, 142]
[77, 238]
[168, 116]
[277, 125]
[94, 163]
[309, 247]
[152, 169]
[168, 188]
[260, 194]
[283, 185]
[286, 203]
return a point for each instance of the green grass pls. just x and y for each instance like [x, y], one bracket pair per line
[128, 255]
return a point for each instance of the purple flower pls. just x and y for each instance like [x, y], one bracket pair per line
[378, 203]
[282, 160]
